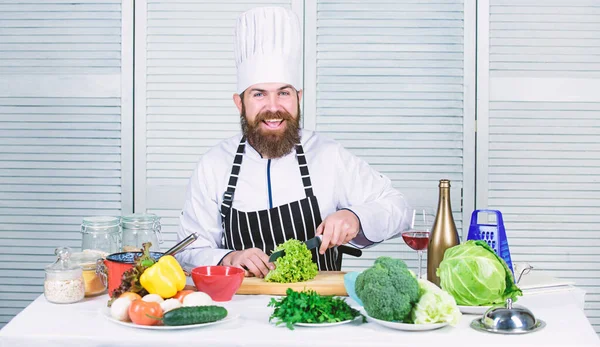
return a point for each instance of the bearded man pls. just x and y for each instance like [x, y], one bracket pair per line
[276, 181]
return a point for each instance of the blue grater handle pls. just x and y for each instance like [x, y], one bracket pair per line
[499, 219]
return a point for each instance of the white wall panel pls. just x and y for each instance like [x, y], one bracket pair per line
[66, 116]
[390, 86]
[539, 149]
[185, 81]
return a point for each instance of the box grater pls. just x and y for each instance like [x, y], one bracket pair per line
[493, 234]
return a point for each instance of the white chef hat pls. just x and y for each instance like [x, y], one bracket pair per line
[268, 47]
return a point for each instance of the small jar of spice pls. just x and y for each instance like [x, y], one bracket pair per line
[64, 283]
[92, 280]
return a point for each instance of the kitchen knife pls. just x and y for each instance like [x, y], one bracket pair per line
[315, 242]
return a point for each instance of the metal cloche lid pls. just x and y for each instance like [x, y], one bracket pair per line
[508, 320]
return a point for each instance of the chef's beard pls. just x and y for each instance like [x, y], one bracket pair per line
[272, 144]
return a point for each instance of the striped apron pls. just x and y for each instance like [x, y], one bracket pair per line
[265, 229]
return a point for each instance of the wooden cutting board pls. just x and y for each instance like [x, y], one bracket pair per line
[325, 283]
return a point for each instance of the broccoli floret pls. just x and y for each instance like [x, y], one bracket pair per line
[389, 262]
[388, 290]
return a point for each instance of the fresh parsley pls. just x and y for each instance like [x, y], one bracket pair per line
[310, 307]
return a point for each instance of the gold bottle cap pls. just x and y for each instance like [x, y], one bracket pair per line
[444, 183]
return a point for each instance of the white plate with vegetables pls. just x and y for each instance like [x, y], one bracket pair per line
[188, 310]
[408, 326]
[324, 325]
[105, 311]
[293, 310]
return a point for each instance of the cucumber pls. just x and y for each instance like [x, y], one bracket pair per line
[194, 315]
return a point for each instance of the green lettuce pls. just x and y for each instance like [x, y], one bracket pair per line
[476, 276]
[295, 266]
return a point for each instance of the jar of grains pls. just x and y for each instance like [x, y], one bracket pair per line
[63, 283]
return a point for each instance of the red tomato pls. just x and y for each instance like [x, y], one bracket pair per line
[140, 310]
[181, 294]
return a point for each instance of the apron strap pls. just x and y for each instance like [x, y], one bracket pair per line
[235, 171]
[304, 174]
[233, 178]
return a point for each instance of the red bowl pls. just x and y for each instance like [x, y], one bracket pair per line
[220, 282]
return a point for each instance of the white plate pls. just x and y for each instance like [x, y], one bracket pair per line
[408, 327]
[105, 311]
[473, 309]
[323, 325]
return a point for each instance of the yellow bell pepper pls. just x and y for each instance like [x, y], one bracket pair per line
[165, 277]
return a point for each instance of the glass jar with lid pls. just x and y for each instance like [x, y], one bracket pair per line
[139, 228]
[92, 279]
[63, 282]
[101, 234]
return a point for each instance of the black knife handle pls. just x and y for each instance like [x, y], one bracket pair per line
[350, 250]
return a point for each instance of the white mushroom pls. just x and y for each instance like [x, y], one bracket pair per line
[153, 298]
[170, 304]
[119, 309]
[197, 299]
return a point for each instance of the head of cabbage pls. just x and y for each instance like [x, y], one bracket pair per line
[476, 276]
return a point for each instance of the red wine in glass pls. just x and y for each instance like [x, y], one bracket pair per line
[417, 240]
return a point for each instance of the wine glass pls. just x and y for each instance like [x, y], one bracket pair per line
[417, 237]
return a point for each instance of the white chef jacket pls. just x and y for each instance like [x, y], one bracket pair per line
[339, 179]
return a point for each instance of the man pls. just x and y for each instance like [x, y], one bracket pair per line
[275, 181]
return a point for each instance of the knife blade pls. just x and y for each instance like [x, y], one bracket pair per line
[315, 242]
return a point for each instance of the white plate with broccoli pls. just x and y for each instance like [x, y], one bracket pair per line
[408, 326]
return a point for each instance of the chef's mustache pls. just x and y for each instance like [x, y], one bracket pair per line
[266, 115]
